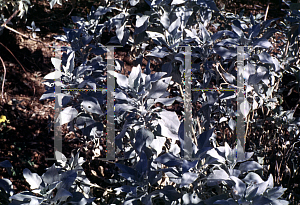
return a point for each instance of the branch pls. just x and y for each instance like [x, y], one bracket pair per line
[221, 74]
[3, 77]
[13, 30]
[8, 20]
[14, 57]
[267, 10]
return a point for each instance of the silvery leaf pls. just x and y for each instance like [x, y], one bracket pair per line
[232, 124]
[51, 175]
[245, 108]
[225, 53]
[276, 64]
[230, 78]
[252, 19]
[237, 30]
[143, 137]
[265, 58]
[223, 119]
[276, 192]
[217, 177]
[125, 188]
[122, 80]
[214, 157]
[229, 201]
[188, 178]
[91, 105]
[57, 73]
[119, 65]
[268, 22]
[174, 26]
[155, 2]
[67, 179]
[25, 195]
[239, 187]
[157, 144]
[176, 2]
[65, 98]
[255, 30]
[61, 158]
[205, 34]
[141, 24]
[206, 79]
[126, 169]
[262, 43]
[67, 115]
[148, 70]
[249, 69]
[70, 63]
[56, 63]
[252, 177]
[159, 88]
[127, 176]
[134, 77]
[169, 124]
[203, 139]
[134, 2]
[280, 202]
[166, 101]
[187, 165]
[32, 178]
[249, 166]
[166, 158]
[269, 33]
[193, 198]
[123, 107]
[158, 52]
[226, 42]
[102, 10]
[164, 20]
[261, 200]
[122, 34]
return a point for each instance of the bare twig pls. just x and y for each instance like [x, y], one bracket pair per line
[14, 57]
[199, 125]
[181, 91]
[8, 20]
[267, 10]
[247, 126]
[11, 29]
[194, 134]
[3, 78]
[17, 32]
[286, 48]
[221, 74]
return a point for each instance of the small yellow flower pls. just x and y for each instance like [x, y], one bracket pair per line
[2, 118]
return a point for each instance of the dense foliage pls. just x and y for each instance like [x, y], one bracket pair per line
[150, 133]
